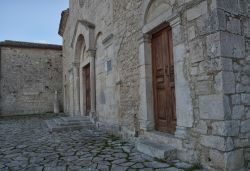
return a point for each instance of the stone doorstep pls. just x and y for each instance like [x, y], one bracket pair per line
[69, 124]
[156, 150]
[164, 139]
[75, 118]
[72, 123]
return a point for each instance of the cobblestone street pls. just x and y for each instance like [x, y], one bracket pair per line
[26, 144]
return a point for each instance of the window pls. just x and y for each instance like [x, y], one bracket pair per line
[108, 66]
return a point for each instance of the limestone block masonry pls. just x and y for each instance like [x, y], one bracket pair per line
[209, 41]
[30, 75]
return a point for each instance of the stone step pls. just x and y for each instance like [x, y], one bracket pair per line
[73, 123]
[69, 124]
[75, 118]
[156, 150]
[71, 128]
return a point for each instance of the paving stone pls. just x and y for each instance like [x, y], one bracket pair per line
[120, 155]
[155, 164]
[183, 165]
[38, 168]
[138, 166]
[127, 164]
[120, 168]
[74, 168]
[146, 169]
[57, 168]
[170, 169]
[29, 146]
[119, 161]
[103, 167]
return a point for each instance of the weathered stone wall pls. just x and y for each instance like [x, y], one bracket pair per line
[29, 79]
[107, 96]
[126, 16]
[220, 83]
[238, 27]
[211, 51]
[117, 91]
[215, 66]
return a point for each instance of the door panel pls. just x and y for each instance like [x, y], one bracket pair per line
[88, 88]
[163, 81]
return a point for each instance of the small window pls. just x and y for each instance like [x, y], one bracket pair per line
[108, 66]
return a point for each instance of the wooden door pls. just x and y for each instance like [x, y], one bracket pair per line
[163, 81]
[88, 88]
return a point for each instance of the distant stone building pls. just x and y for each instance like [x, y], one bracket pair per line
[30, 75]
[169, 72]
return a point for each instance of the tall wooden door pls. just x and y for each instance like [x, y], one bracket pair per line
[88, 88]
[163, 81]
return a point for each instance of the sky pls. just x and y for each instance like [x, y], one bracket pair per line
[31, 20]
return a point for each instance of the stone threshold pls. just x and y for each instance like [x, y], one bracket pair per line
[163, 138]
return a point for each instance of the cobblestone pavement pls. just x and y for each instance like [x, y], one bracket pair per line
[26, 144]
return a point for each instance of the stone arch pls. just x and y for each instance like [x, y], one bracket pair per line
[98, 36]
[86, 29]
[79, 48]
[98, 44]
[82, 44]
[154, 8]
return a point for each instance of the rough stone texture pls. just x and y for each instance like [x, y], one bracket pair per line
[156, 150]
[27, 145]
[226, 128]
[30, 75]
[211, 47]
[235, 160]
[212, 110]
[218, 143]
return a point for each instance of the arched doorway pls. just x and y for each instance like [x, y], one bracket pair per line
[84, 61]
[79, 54]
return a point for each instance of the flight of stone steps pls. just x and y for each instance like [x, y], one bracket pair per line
[69, 123]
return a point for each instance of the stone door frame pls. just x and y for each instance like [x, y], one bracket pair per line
[87, 30]
[184, 109]
[88, 60]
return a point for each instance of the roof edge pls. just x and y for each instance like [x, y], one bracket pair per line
[63, 21]
[20, 44]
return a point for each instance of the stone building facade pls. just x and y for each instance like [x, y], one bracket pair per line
[171, 72]
[30, 75]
